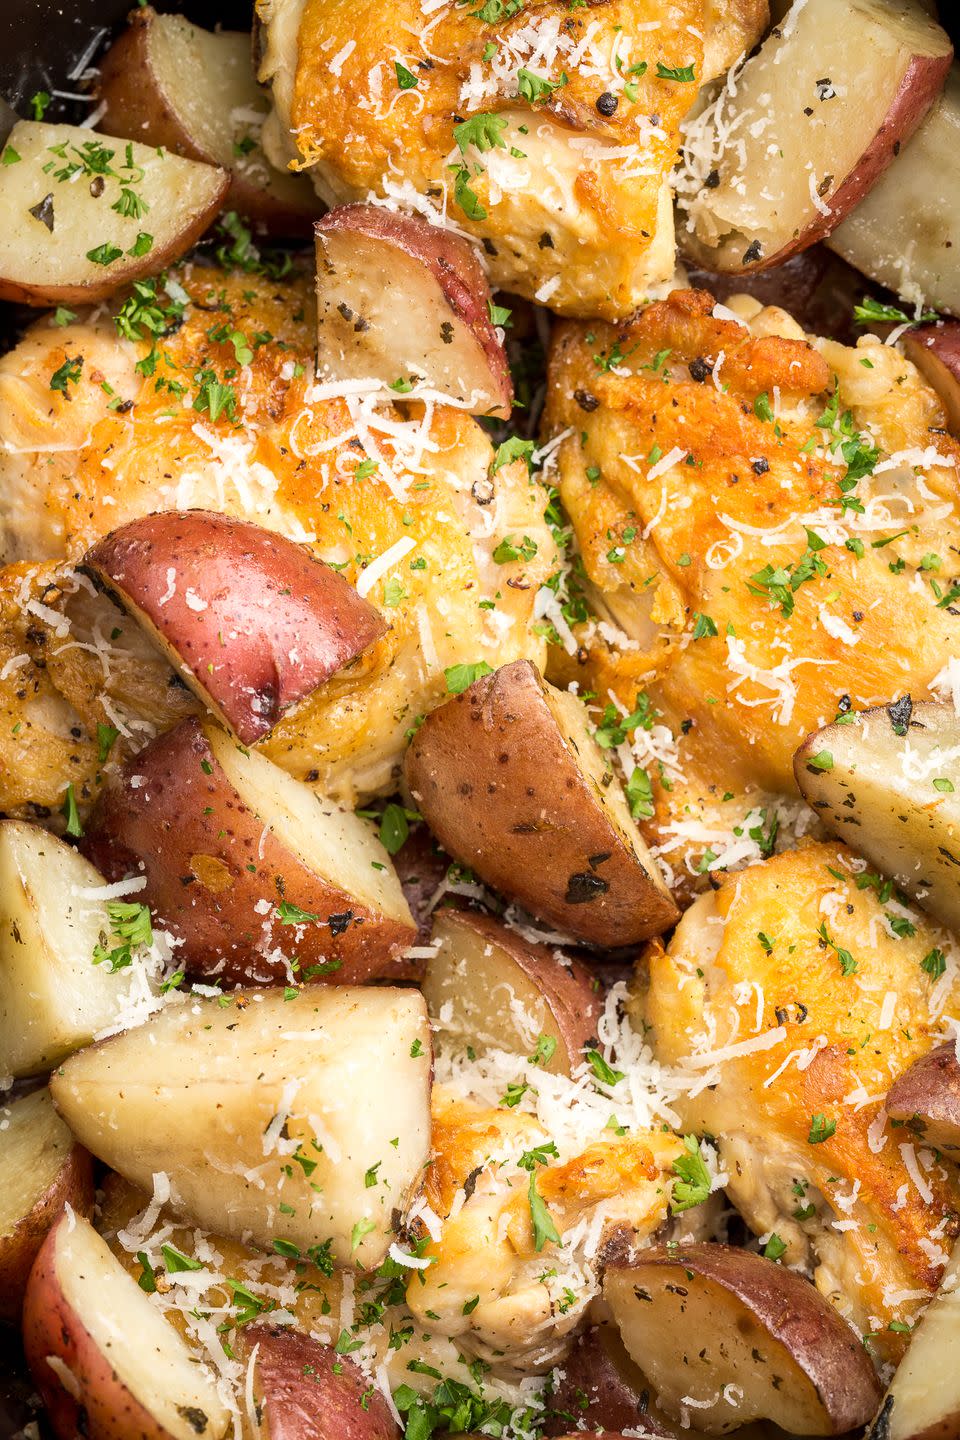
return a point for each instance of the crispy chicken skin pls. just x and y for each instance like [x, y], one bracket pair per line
[573, 199]
[753, 595]
[799, 955]
[530, 1300]
[74, 466]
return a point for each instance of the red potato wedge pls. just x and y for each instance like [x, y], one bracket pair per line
[887, 784]
[42, 1168]
[600, 1385]
[306, 1391]
[903, 234]
[727, 1337]
[489, 987]
[401, 299]
[511, 782]
[935, 350]
[819, 113]
[106, 1362]
[265, 1103]
[927, 1098]
[168, 83]
[923, 1401]
[251, 620]
[56, 219]
[53, 998]
[248, 867]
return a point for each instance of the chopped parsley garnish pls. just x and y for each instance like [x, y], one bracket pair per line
[129, 927]
[483, 131]
[848, 966]
[535, 87]
[512, 548]
[601, 1069]
[820, 1129]
[543, 1227]
[682, 73]
[405, 78]
[70, 813]
[692, 1185]
[104, 254]
[67, 374]
[934, 963]
[461, 677]
[871, 311]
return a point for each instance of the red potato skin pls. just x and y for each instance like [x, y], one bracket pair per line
[206, 873]
[105, 1409]
[922, 82]
[602, 1386]
[792, 1311]
[73, 1186]
[927, 1098]
[137, 110]
[568, 987]
[309, 1392]
[935, 350]
[253, 621]
[454, 264]
[499, 789]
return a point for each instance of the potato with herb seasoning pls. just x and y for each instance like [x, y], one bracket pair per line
[512, 783]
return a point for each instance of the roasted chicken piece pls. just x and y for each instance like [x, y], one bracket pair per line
[793, 996]
[213, 403]
[545, 131]
[767, 525]
[497, 1282]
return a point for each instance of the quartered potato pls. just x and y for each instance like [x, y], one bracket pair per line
[816, 116]
[42, 1168]
[308, 1391]
[935, 350]
[399, 299]
[85, 214]
[273, 1100]
[923, 1401]
[53, 918]
[726, 1336]
[926, 1098]
[248, 868]
[888, 783]
[252, 622]
[512, 783]
[488, 987]
[106, 1362]
[168, 83]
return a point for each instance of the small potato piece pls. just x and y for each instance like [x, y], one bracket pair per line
[927, 1098]
[600, 1385]
[493, 989]
[306, 1391]
[42, 1168]
[399, 298]
[64, 242]
[923, 1402]
[512, 783]
[861, 779]
[903, 233]
[252, 622]
[106, 1362]
[168, 83]
[704, 1317]
[247, 866]
[817, 116]
[53, 998]
[935, 350]
[268, 1101]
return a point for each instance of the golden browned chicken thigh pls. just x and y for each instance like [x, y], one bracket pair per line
[794, 995]
[768, 526]
[546, 131]
[219, 408]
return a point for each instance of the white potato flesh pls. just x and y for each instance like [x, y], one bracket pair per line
[574, 725]
[895, 798]
[53, 998]
[266, 1102]
[477, 992]
[381, 313]
[924, 1397]
[904, 232]
[56, 213]
[146, 1354]
[335, 844]
[808, 108]
[34, 1145]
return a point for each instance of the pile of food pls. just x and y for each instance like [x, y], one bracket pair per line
[480, 725]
